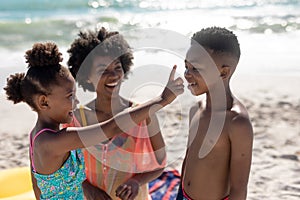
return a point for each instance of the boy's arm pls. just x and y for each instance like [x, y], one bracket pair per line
[183, 166]
[192, 113]
[241, 138]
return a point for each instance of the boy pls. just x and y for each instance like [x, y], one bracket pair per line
[218, 156]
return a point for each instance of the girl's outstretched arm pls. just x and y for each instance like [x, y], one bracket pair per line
[79, 137]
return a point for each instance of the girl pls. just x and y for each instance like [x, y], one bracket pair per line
[100, 60]
[49, 89]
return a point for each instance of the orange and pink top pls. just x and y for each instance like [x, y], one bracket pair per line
[110, 164]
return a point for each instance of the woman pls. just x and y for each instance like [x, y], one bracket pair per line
[121, 167]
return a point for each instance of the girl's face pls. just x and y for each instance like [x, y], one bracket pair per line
[62, 101]
[106, 76]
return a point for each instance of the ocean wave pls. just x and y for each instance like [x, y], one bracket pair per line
[267, 24]
[31, 5]
[28, 21]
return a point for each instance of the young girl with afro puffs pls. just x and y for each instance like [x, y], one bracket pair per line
[49, 89]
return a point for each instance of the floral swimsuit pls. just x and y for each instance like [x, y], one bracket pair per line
[66, 182]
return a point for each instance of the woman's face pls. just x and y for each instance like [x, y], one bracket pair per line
[106, 75]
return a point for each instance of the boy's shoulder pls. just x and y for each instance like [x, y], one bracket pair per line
[240, 121]
[239, 111]
[198, 106]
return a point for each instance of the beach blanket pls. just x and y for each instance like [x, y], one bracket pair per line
[165, 187]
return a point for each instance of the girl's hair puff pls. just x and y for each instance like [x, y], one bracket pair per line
[13, 87]
[43, 70]
[43, 55]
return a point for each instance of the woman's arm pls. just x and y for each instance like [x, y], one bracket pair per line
[156, 139]
[94, 193]
[130, 189]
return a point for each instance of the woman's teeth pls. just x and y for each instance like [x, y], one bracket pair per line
[191, 84]
[112, 84]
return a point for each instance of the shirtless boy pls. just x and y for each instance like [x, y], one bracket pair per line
[218, 157]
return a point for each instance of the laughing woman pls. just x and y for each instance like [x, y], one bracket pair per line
[119, 168]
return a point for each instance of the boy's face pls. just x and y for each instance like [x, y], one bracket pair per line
[200, 70]
[204, 68]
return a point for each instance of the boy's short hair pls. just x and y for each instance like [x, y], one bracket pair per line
[218, 39]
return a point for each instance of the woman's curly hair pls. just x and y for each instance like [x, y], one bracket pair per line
[90, 44]
[43, 69]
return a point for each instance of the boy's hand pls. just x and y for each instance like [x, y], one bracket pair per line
[129, 190]
[173, 87]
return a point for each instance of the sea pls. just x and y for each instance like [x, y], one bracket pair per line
[268, 31]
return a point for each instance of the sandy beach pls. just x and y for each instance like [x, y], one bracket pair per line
[267, 79]
[274, 107]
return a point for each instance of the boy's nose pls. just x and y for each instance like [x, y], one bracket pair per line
[187, 73]
[75, 102]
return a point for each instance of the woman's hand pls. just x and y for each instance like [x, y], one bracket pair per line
[94, 193]
[128, 190]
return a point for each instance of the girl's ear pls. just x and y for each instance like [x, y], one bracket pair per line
[42, 102]
[225, 72]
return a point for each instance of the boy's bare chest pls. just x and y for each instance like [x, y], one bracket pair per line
[205, 137]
